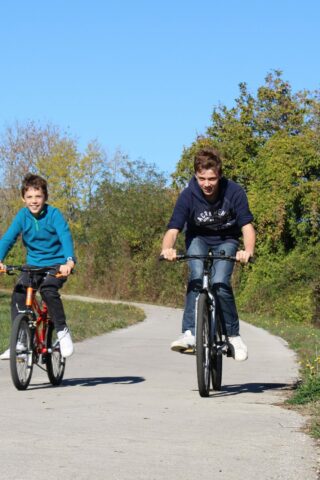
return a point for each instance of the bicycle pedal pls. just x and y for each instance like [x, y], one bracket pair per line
[21, 358]
[189, 351]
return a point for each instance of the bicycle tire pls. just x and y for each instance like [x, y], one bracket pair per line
[217, 356]
[203, 345]
[21, 361]
[55, 362]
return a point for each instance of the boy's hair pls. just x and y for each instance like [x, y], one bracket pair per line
[208, 158]
[34, 181]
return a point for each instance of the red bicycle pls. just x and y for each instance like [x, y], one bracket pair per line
[33, 337]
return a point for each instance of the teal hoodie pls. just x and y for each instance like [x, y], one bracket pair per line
[47, 237]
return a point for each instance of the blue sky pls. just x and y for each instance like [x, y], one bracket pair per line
[144, 75]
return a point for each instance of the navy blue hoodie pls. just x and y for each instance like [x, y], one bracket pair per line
[216, 221]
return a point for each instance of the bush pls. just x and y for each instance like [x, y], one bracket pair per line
[284, 286]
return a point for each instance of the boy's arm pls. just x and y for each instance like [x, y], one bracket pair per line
[178, 219]
[64, 234]
[168, 243]
[249, 241]
[9, 238]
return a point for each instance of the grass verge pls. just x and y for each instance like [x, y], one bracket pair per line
[84, 319]
[305, 341]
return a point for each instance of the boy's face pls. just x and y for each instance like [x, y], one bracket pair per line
[34, 199]
[208, 180]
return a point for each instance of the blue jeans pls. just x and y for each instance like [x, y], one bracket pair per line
[220, 280]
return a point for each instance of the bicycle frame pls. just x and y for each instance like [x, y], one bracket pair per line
[209, 290]
[41, 323]
[38, 318]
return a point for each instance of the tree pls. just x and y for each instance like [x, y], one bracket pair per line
[241, 131]
[45, 150]
[21, 147]
[128, 219]
[284, 194]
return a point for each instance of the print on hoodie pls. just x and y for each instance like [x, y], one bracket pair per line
[215, 221]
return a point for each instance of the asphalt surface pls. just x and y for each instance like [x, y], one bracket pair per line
[129, 409]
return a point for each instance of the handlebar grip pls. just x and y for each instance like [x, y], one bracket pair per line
[59, 274]
[9, 269]
[178, 257]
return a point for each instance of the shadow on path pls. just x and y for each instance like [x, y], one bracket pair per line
[94, 381]
[89, 382]
[229, 390]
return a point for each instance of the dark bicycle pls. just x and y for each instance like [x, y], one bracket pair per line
[211, 336]
[33, 337]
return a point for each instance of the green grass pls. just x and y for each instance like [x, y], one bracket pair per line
[90, 319]
[307, 391]
[5, 323]
[305, 340]
[84, 319]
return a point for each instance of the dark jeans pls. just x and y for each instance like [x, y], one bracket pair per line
[220, 279]
[48, 287]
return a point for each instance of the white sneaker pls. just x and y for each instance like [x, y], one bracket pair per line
[5, 355]
[19, 349]
[239, 348]
[187, 340]
[65, 340]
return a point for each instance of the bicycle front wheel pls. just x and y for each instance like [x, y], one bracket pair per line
[216, 371]
[21, 353]
[54, 360]
[203, 345]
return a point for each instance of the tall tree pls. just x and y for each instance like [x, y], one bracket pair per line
[53, 154]
[239, 132]
[285, 192]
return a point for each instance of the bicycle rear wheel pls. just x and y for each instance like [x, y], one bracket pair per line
[216, 371]
[54, 360]
[21, 353]
[203, 345]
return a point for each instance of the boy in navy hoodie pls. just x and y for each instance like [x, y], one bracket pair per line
[213, 212]
[48, 241]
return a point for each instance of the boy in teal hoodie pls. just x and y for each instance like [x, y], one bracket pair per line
[48, 241]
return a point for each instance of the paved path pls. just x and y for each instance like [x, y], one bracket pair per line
[129, 409]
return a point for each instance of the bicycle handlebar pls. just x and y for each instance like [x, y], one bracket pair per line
[11, 269]
[213, 256]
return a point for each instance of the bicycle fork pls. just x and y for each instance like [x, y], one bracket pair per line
[218, 338]
[38, 327]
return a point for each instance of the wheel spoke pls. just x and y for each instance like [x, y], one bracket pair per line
[21, 355]
[55, 362]
[217, 356]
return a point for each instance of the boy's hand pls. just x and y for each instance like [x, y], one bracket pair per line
[169, 254]
[2, 266]
[243, 256]
[67, 268]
